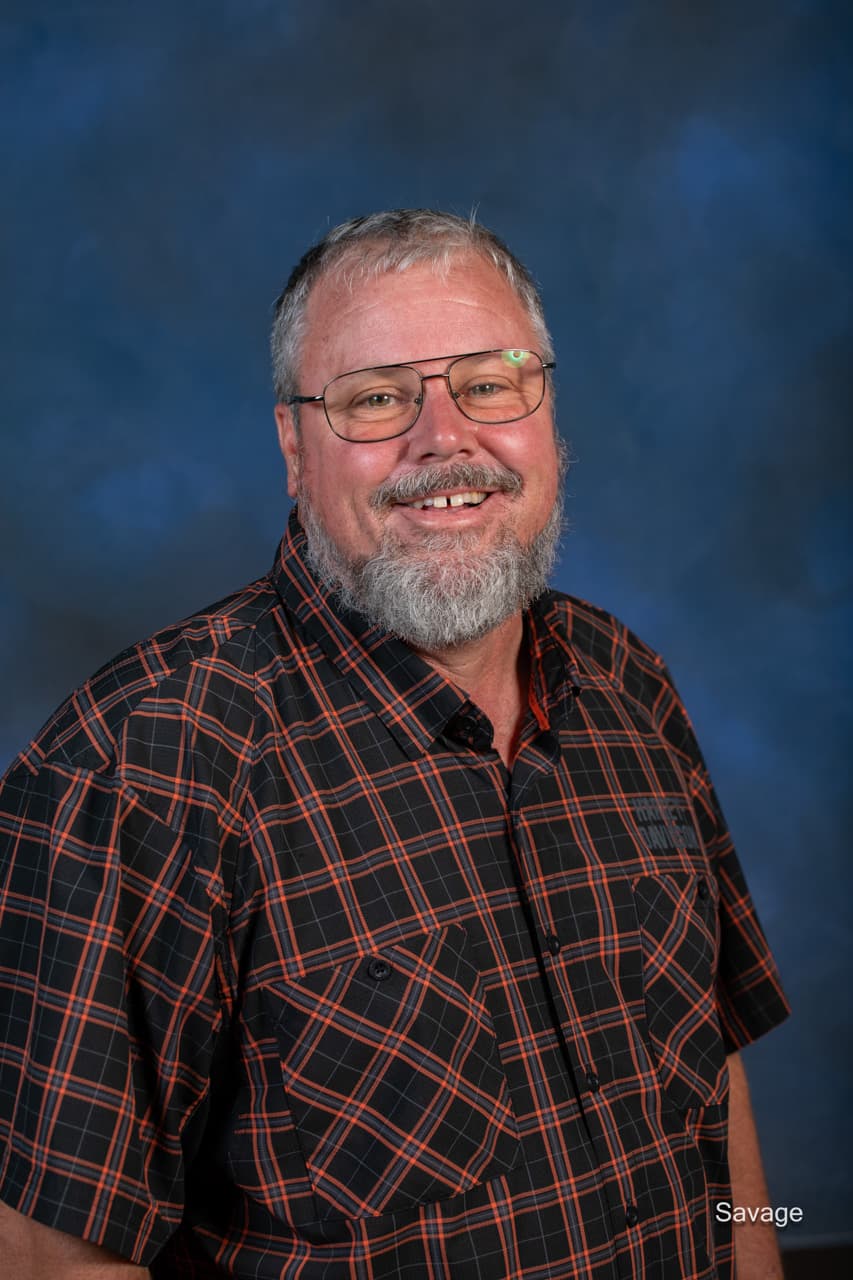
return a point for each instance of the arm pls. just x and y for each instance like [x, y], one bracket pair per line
[756, 1249]
[33, 1251]
[79, 950]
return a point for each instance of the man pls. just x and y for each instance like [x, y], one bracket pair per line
[381, 920]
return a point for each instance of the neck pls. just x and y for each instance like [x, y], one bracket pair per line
[493, 671]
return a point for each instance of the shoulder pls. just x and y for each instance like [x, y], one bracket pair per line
[613, 658]
[202, 665]
[599, 640]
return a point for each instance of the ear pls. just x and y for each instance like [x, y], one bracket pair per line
[288, 442]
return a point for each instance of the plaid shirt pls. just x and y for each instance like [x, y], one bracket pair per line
[298, 981]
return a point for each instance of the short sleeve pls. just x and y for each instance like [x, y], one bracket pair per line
[750, 998]
[108, 1007]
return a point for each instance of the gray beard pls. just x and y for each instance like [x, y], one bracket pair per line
[439, 593]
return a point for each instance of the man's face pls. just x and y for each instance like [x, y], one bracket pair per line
[407, 317]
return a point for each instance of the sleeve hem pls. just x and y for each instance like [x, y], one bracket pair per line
[738, 1032]
[125, 1229]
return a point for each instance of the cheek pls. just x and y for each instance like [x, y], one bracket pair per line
[338, 481]
[534, 458]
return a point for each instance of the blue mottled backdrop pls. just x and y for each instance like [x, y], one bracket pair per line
[678, 176]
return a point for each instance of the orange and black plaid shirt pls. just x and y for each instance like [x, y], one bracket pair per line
[298, 981]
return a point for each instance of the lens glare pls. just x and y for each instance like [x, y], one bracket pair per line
[498, 386]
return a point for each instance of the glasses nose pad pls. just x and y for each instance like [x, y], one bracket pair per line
[438, 377]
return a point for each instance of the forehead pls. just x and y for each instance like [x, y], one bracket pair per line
[410, 315]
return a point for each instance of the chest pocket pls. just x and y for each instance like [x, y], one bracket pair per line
[677, 916]
[393, 1078]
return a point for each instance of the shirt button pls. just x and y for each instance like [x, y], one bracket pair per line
[702, 890]
[553, 943]
[632, 1215]
[379, 969]
[592, 1082]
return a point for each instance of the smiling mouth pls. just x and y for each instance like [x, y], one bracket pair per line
[440, 501]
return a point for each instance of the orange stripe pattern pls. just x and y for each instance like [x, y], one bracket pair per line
[298, 981]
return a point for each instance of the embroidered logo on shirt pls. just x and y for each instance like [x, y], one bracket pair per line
[665, 824]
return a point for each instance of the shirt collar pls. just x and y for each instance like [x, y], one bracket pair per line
[414, 701]
[555, 675]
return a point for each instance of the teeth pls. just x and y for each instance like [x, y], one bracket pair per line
[471, 499]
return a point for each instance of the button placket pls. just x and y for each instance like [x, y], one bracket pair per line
[572, 1005]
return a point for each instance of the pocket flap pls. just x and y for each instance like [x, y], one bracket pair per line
[393, 1077]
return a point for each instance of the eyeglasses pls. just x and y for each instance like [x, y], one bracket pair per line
[385, 401]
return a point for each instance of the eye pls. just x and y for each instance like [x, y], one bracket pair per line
[483, 390]
[375, 400]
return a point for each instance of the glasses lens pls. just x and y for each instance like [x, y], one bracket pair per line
[373, 404]
[498, 386]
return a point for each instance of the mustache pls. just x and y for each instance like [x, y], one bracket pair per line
[456, 475]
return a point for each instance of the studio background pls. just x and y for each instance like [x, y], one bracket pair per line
[678, 178]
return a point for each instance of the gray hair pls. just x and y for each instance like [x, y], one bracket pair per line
[364, 248]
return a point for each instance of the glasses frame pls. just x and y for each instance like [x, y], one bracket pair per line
[547, 366]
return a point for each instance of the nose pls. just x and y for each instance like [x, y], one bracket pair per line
[442, 430]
